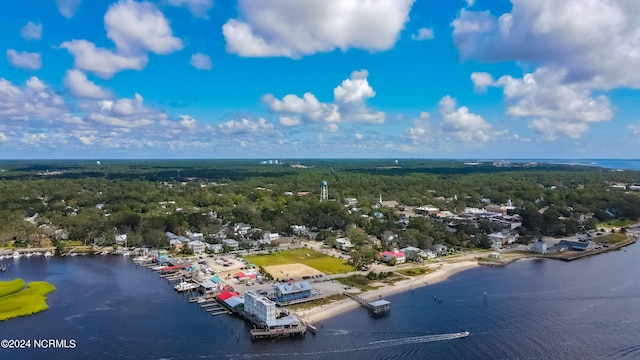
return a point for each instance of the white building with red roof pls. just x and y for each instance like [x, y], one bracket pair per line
[386, 256]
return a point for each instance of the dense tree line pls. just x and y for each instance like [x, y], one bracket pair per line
[146, 200]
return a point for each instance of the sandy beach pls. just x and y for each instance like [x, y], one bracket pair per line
[442, 272]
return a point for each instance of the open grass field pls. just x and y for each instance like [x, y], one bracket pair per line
[16, 300]
[323, 263]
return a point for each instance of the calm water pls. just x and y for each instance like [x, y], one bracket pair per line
[625, 164]
[539, 309]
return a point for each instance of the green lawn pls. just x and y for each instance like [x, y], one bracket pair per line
[610, 238]
[358, 281]
[16, 300]
[616, 223]
[316, 260]
[414, 271]
[315, 303]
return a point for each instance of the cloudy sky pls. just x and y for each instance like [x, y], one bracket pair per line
[320, 78]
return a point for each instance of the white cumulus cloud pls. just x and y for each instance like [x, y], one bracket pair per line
[68, 8]
[139, 26]
[197, 8]
[349, 104]
[24, 59]
[481, 81]
[245, 127]
[464, 125]
[77, 82]
[31, 31]
[594, 41]
[296, 28]
[35, 100]
[201, 61]
[423, 34]
[554, 106]
[101, 62]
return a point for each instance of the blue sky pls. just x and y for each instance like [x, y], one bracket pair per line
[319, 78]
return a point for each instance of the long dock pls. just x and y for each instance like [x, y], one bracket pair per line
[377, 307]
[277, 333]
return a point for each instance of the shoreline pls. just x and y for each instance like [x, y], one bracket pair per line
[441, 273]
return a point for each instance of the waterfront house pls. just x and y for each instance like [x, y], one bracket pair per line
[121, 239]
[399, 256]
[413, 253]
[293, 291]
[207, 286]
[232, 301]
[540, 247]
[497, 240]
[428, 254]
[440, 249]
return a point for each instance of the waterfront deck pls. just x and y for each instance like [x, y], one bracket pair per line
[377, 307]
[278, 333]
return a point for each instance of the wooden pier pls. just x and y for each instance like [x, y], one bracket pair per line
[377, 307]
[278, 333]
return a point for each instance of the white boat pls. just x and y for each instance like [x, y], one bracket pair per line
[48, 254]
[126, 253]
[185, 286]
[37, 253]
[27, 254]
[16, 255]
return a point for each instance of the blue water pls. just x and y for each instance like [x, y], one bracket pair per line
[623, 164]
[537, 309]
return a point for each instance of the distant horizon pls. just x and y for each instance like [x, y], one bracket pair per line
[320, 158]
[202, 79]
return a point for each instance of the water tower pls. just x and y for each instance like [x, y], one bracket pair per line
[324, 191]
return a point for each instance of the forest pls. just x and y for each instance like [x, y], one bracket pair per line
[43, 202]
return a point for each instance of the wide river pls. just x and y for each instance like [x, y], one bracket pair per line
[533, 309]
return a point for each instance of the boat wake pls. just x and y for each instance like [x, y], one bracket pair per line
[371, 345]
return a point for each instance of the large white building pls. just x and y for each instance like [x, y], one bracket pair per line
[197, 246]
[259, 307]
